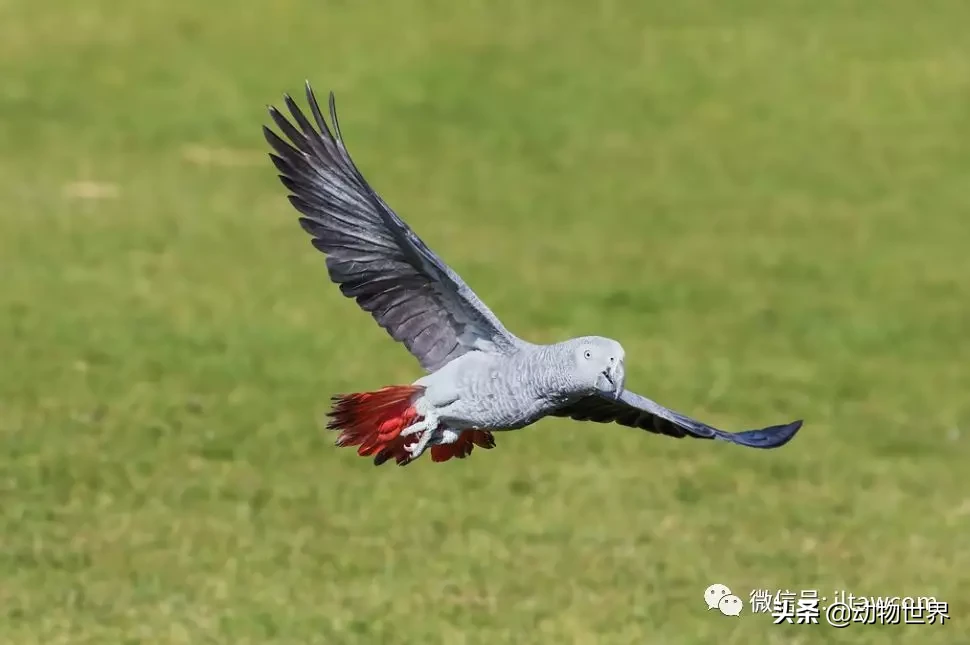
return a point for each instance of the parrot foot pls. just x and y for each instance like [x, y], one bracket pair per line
[416, 449]
[446, 436]
[426, 428]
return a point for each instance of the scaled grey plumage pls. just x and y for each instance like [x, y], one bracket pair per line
[481, 378]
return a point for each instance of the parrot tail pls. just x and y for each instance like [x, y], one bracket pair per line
[373, 421]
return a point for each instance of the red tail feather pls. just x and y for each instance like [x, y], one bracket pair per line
[373, 421]
[463, 447]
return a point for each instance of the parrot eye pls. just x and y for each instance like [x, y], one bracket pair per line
[587, 354]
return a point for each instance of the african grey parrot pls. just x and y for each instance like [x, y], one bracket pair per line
[480, 377]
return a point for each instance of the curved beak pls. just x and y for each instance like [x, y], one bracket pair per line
[615, 375]
[618, 379]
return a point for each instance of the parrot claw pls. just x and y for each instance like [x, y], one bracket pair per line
[415, 428]
[426, 428]
[417, 448]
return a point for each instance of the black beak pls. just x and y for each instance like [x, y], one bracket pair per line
[606, 375]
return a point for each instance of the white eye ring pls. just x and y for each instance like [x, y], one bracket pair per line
[587, 354]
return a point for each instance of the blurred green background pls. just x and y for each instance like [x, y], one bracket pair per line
[766, 202]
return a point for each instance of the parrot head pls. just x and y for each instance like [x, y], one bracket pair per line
[598, 365]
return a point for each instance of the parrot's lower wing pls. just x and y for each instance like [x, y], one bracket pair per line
[372, 254]
[636, 411]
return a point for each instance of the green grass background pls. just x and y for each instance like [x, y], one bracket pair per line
[766, 201]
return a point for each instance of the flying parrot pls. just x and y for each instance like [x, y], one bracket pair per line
[480, 378]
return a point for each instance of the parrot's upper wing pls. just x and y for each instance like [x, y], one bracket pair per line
[636, 411]
[371, 253]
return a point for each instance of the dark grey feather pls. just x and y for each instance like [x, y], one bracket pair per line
[372, 254]
[635, 411]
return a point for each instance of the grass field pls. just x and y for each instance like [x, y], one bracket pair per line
[767, 202]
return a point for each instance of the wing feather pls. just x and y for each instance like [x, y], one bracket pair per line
[372, 255]
[636, 411]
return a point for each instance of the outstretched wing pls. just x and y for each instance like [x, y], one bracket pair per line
[372, 255]
[636, 411]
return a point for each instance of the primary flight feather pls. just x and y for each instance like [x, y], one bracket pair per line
[480, 377]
